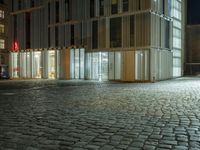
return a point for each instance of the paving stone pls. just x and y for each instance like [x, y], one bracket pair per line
[92, 147]
[180, 148]
[31, 148]
[149, 147]
[137, 144]
[107, 147]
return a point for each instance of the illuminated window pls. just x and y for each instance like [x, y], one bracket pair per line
[1, 14]
[2, 28]
[2, 44]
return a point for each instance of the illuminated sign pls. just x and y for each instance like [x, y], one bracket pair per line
[15, 46]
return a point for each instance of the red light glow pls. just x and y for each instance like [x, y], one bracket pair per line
[15, 46]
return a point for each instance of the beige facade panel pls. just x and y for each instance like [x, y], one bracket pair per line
[143, 30]
[128, 66]
[65, 64]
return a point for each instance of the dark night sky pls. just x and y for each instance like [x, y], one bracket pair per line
[193, 12]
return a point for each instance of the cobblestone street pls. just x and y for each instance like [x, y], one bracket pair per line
[88, 115]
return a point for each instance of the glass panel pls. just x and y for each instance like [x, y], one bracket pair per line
[15, 68]
[146, 63]
[138, 65]
[51, 64]
[117, 65]
[28, 65]
[37, 68]
[77, 64]
[104, 66]
[23, 64]
[58, 64]
[88, 66]
[95, 66]
[72, 64]
[167, 34]
[82, 63]
[111, 65]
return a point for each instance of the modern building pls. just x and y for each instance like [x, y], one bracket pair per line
[192, 57]
[127, 40]
[3, 33]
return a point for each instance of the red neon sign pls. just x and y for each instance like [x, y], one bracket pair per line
[15, 46]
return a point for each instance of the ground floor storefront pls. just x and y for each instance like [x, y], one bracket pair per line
[77, 63]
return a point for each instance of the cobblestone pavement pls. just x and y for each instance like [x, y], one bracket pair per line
[85, 115]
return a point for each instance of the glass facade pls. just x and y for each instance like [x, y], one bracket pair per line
[103, 66]
[142, 65]
[34, 64]
[177, 37]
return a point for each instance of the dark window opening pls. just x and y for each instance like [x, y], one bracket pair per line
[167, 35]
[125, 5]
[12, 5]
[114, 7]
[49, 13]
[57, 11]
[19, 4]
[101, 7]
[15, 27]
[49, 37]
[81, 35]
[139, 5]
[2, 1]
[32, 3]
[92, 10]
[28, 30]
[94, 34]
[116, 32]
[163, 6]
[56, 36]
[132, 30]
[68, 10]
[72, 34]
